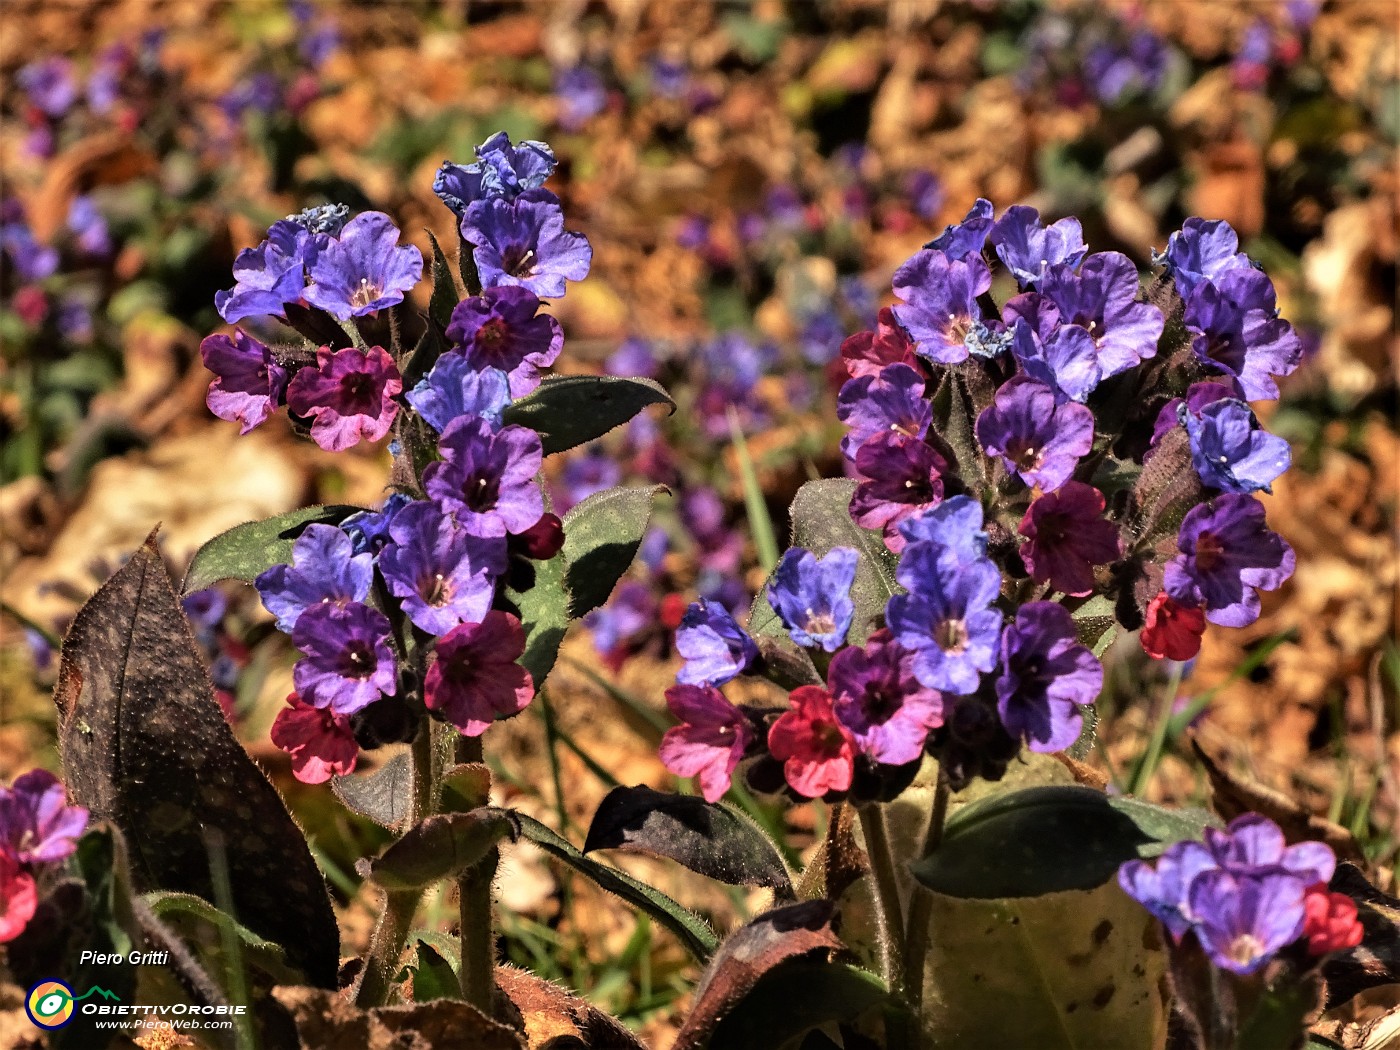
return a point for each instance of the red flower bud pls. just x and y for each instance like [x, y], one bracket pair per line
[1172, 631]
[543, 539]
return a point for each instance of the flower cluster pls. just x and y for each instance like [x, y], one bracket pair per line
[1245, 895]
[399, 609]
[37, 829]
[1041, 471]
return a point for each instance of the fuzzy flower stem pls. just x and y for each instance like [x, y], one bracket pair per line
[889, 915]
[478, 933]
[353, 331]
[391, 931]
[921, 905]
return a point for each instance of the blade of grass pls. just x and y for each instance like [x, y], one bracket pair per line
[1147, 765]
[1182, 720]
[760, 524]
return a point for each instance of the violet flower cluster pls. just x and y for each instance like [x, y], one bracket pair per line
[1040, 472]
[37, 829]
[1245, 895]
[399, 609]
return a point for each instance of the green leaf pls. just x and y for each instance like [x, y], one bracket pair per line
[1048, 839]
[434, 976]
[567, 411]
[543, 609]
[441, 846]
[202, 926]
[444, 299]
[245, 551]
[821, 520]
[601, 537]
[710, 839]
[695, 936]
[796, 998]
[1096, 623]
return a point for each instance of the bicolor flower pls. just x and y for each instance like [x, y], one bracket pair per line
[37, 825]
[502, 328]
[900, 476]
[348, 395]
[887, 711]
[248, 383]
[709, 742]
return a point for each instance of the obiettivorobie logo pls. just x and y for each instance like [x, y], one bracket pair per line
[50, 1004]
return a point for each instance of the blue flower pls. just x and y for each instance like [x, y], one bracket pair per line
[329, 219]
[967, 237]
[444, 575]
[500, 170]
[369, 529]
[939, 308]
[1229, 449]
[947, 619]
[454, 389]
[955, 525]
[1029, 249]
[813, 596]
[364, 270]
[523, 242]
[716, 649]
[1202, 251]
[324, 571]
[269, 276]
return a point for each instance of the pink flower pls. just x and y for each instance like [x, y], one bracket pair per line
[475, 678]
[1173, 631]
[18, 898]
[349, 395]
[319, 741]
[710, 740]
[1066, 536]
[817, 753]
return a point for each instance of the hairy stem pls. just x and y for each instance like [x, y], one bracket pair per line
[391, 931]
[921, 905]
[888, 913]
[478, 929]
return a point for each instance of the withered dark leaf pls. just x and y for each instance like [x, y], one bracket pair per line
[145, 745]
[1376, 960]
[328, 1021]
[384, 796]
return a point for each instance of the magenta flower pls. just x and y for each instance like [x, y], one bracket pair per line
[18, 898]
[248, 383]
[444, 574]
[36, 822]
[1039, 441]
[710, 740]
[817, 752]
[364, 269]
[1227, 556]
[349, 395]
[488, 477]
[475, 678]
[502, 328]
[347, 662]
[880, 702]
[1066, 536]
[320, 741]
[866, 353]
[900, 477]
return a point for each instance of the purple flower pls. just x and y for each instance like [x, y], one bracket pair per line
[488, 477]
[965, 238]
[1235, 328]
[475, 678]
[502, 328]
[324, 571]
[702, 513]
[1243, 921]
[630, 611]
[328, 219]
[32, 261]
[821, 337]
[635, 357]
[248, 383]
[939, 307]
[1046, 676]
[1119, 69]
[900, 476]
[89, 227]
[260, 93]
[1227, 555]
[454, 388]
[812, 596]
[50, 84]
[1066, 360]
[1254, 844]
[500, 170]
[369, 529]
[891, 401]
[444, 574]
[880, 702]
[1229, 449]
[36, 823]
[347, 663]
[1029, 249]
[271, 275]
[1039, 441]
[1164, 890]
[523, 242]
[1198, 396]
[710, 740]
[716, 649]
[947, 619]
[1066, 536]
[669, 79]
[1102, 299]
[74, 320]
[1201, 252]
[590, 471]
[954, 524]
[364, 269]
[581, 95]
[925, 192]
[205, 608]
[349, 396]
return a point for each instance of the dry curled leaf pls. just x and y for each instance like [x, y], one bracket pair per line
[326, 1020]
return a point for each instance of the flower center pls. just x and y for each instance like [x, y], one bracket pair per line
[359, 660]
[480, 493]
[828, 737]
[518, 260]
[365, 294]
[1245, 948]
[1025, 456]
[435, 590]
[1210, 552]
[951, 636]
[492, 334]
[358, 389]
[820, 623]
